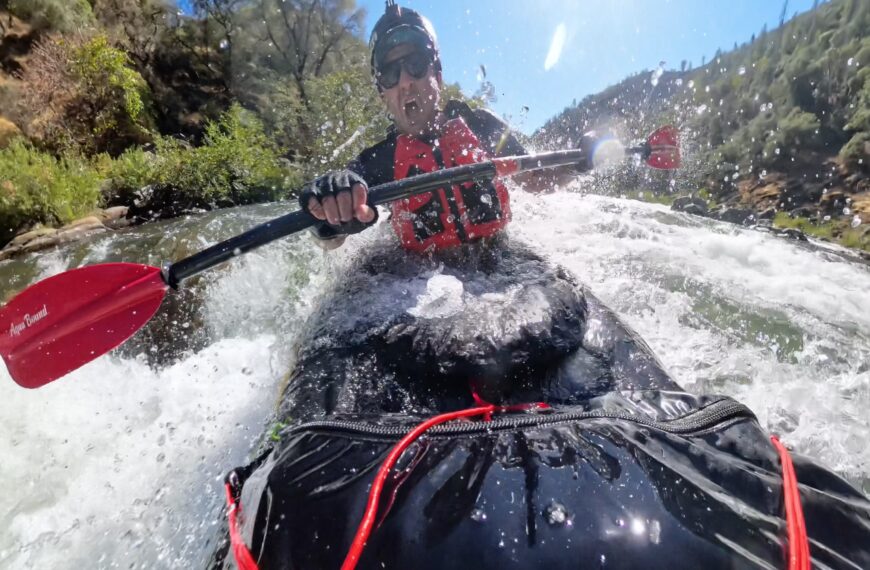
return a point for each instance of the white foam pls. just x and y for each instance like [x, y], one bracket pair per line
[112, 460]
[781, 327]
[441, 299]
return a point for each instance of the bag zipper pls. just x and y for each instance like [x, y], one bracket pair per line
[702, 419]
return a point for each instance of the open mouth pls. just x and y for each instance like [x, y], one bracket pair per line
[411, 107]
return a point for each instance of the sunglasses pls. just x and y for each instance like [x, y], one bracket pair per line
[415, 64]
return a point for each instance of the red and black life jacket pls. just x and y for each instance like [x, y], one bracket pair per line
[449, 216]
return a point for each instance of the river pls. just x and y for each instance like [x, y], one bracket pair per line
[120, 464]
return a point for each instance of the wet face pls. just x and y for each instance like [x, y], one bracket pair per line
[412, 102]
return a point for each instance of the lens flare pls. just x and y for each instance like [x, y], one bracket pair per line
[608, 152]
[556, 45]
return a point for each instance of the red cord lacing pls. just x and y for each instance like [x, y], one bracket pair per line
[243, 557]
[368, 520]
[798, 542]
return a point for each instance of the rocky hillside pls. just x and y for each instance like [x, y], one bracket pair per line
[778, 125]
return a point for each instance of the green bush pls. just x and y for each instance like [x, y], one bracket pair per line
[838, 231]
[36, 187]
[84, 96]
[860, 118]
[129, 172]
[855, 238]
[58, 15]
[237, 164]
[342, 115]
[799, 127]
[106, 74]
[824, 230]
[854, 152]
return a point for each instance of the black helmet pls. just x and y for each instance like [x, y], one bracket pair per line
[399, 26]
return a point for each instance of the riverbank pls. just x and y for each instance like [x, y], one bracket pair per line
[851, 229]
[836, 213]
[42, 238]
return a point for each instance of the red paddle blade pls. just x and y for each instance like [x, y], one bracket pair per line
[664, 148]
[53, 327]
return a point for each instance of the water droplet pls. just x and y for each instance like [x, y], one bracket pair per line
[654, 79]
[741, 70]
[224, 44]
[777, 150]
[856, 221]
[850, 60]
[477, 515]
[847, 211]
[557, 515]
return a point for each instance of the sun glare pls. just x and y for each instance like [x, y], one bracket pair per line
[556, 45]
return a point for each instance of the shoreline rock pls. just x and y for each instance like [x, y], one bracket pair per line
[835, 205]
[42, 238]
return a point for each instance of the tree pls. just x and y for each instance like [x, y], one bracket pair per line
[301, 39]
[83, 95]
[220, 26]
[278, 47]
[136, 25]
[54, 15]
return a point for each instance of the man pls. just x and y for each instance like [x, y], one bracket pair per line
[622, 469]
[406, 66]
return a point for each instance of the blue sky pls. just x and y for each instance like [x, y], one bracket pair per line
[605, 41]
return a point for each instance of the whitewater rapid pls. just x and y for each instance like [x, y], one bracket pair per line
[120, 464]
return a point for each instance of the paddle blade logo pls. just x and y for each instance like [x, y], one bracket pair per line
[29, 320]
[57, 325]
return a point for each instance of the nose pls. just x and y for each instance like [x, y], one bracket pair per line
[405, 78]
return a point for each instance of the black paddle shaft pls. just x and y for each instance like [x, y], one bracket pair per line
[299, 220]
